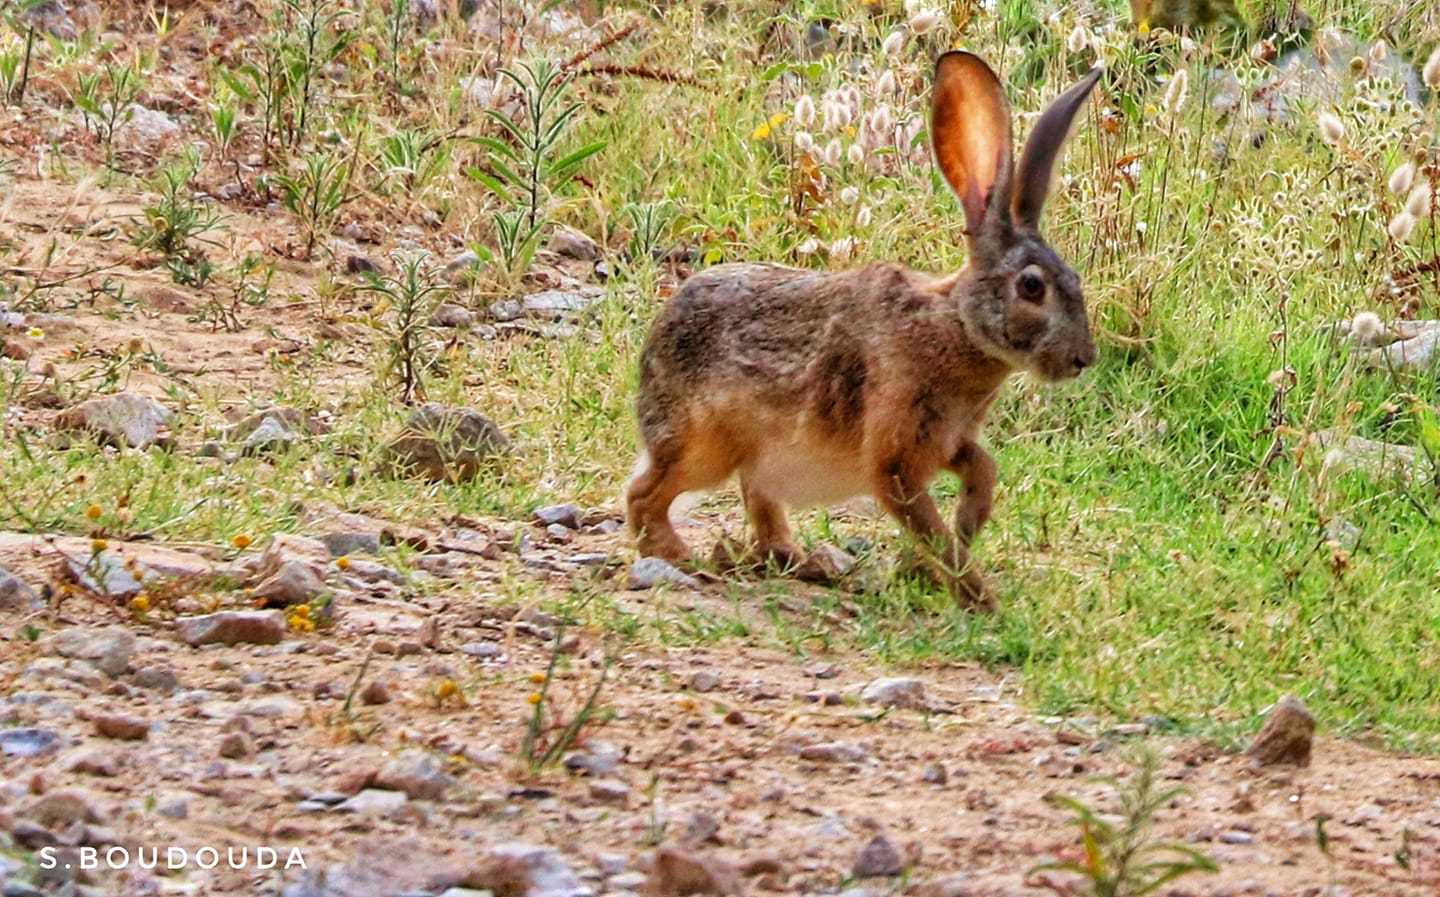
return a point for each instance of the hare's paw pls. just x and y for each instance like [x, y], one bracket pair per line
[973, 592]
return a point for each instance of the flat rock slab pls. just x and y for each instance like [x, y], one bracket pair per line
[233, 627]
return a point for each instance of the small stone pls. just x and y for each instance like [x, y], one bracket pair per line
[108, 650]
[700, 828]
[702, 681]
[1286, 736]
[15, 594]
[237, 746]
[1233, 836]
[453, 316]
[572, 244]
[375, 692]
[156, 678]
[345, 544]
[374, 802]
[296, 582]
[610, 791]
[232, 627]
[558, 304]
[895, 692]
[92, 761]
[482, 650]
[417, 773]
[523, 870]
[123, 419]
[649, 572]
[444, 444]
[833, 752]
[61, 808]
[825, 564]
[935, 774]
[626, 881]
[566, 515]
[880, 857]
[27, 742]
[121, 727]
[460, 266]
[823, 670]
[675, 873]
[174, 805]
[360, 264]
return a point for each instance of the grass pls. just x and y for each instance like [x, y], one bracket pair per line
[1154, 552]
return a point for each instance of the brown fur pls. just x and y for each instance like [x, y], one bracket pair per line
[816, 387]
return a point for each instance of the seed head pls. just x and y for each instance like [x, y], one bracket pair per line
[1431, 73]
[1176, 91]
[804, 142]
[850, 195]
[894, 43]
[1331, 128]
[885, 84]
[1366, 328]
[833, 152]
[924, 21]
[862, 217]
[805, 111]
[856, 154]
[1417, 204]
[1401, 179]
[1401, 226]
[1078, 39]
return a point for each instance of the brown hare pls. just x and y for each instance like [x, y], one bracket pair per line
[817, 387]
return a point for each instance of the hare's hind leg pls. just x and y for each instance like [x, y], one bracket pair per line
[671, 468]
[772, 529]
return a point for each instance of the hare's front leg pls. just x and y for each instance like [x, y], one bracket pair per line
[772, 531]
[976, 469]
[902, 490]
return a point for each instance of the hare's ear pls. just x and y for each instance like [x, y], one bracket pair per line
[970, 134]
[1042, 148]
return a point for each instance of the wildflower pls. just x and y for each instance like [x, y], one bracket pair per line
[446, 689]
[1176, 91]
[885, 84]
[533, 698]
[809, 246]
[343, 562]
[833, 152]
[1331, 128]
[1366, 328]
[98, 545]
[537, 678]
[1431, 73]
[894, 43]
[35, 333]
[1333, 458]
[1401, 179]
[140, 604]
[924, 21]
[1417, 204]
[850, 195]
[94, 512]
[856, 154]
[768, 125]
[1401, 226]
[240, 541]
[804, 111]
[862, 217]
[841, 249]
[1378, 51]
[1078, 40]
[804, 142]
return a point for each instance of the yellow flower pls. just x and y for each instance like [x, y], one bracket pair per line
[343, 563]
[768, 125]
[534, 697]
[537, 678]
[140, 604]
[241, 541]
[98, 545]
[447, 689]
[35, 333]
[94, 512]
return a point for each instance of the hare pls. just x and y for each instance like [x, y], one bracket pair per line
[817, 387]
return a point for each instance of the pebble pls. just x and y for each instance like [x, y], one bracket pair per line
[482, 650]
[566, 515]
[27, 742]
[649, 572]
[375, 692]
[120, 419]
[825, 564]
[699, 828]
[374, 802]
[677, 873]
[121, 727]
[935, 774]
[93, 761]
[15, 594]
[526, 869]
[417, 773]
[346, 544]
[175, 805]
[879, 857]
[444, 444]
[237, 746]
[702, 681]
[61, 808]
[296, 582]
[232, 627]
[610, 791]
[573, 244]
[833, 752]
[156, 678]
[895, 692]
[108, 650]
[451, 315]
[1286, 736]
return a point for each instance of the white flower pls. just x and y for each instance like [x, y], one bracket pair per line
[924, 21]
[1366, 328]
[1431, 73]
[805, 111]
[809, 247]
[862, 217]
[1378, 51]
[1401, 226]
[1078, 40]
[1401, 179]
[885, 84]
[833, 152]
[856, 154]
[840, 249]
[1176, 91]
[894, 43]
[850, 195]
[1417, 203]
[804, 142]
[1331, 128]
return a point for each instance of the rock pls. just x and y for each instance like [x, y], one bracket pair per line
[610, 791]
[833, 752]
[121, 419]
[571, 243]
[15, 594]
[461, 266]
[92, 761]
[156, 678]
[935, 774]
[825, 564]
[895, 692]
[649, 572]
[375, 692]
[699, 828]
[566, 515]
[521, 870]
[237, 746]
[958, 884]
[702, 681]
[557, 305]
[444, 444]
[27, 742]
[822, 670]
[175, 805]
[108, 649]
[482, 650]
[453, 316]
[374, 802]
[121, 727]
[107, 573]
[675, 873]
[417, 773]
[147, 130]
[1372, 456]
[346, 544]
[1286, 736]
[880, 857]
[61, 808]
[233, 627]
[296, 582]
[600, 758]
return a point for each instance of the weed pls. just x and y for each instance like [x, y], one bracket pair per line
[106, 97]
[1121, 858]
[315, 194]
[547, 735]
[410, 300]
[175, 220]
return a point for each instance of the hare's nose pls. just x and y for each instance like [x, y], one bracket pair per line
[1081, 363]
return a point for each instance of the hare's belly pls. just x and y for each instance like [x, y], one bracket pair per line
[806, 475]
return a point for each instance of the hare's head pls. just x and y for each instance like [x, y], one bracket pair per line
[1019, 301]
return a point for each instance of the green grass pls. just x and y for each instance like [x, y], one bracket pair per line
[1152, 553]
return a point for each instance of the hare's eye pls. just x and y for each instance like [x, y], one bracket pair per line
[1029, 286]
